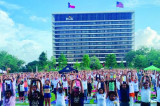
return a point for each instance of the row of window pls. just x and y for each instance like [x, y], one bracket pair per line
[93, 23]
[93, 16]
[93, 43]
[94, 39]
[93, 31]
[94, 51]
[93, 27]
[99, 55]
[93, 47]
[94, 35]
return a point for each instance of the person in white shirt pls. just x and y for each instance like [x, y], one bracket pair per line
[136, 88]
[65, 84]
[153, 75]
[101, 95]
[60, 95]
[145, 91]
[112, 99]
[158, 90]
[56, 80]
[84, 83]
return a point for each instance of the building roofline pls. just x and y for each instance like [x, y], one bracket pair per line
[93, 12]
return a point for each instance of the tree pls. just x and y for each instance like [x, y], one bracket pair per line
[111, 61]
[77, 65]
[129, 57]
[62, 61]
[51, 64]
[10, 61]
[121, 65]
[42, 61]
[95, 63]
[86, 61]
[31, 66]
[140, 61]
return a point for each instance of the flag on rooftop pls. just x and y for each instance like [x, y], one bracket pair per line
[70, 6]
[119, 4]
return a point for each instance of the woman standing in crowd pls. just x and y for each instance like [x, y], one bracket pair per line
[158, 90]
[101, 95]
[145, 90]
[77, 94]
[60, 95]
[47, 92]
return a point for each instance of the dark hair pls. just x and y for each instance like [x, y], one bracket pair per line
[8, 91]
[59, 89]
[112, 92]
[100, 89]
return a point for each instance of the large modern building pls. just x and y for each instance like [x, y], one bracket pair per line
[97, 33]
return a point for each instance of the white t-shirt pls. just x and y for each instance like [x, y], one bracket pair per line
[84, 84]
[153, 77]
[60, 99]
[101, 99]
[14, 84]
[145, 95]
[65, 84]
[21, 87]
[158, 94]
[131, 87]
[136, 87]
[43, 81]
[29, 82]
[112, 103]
[118, 85]
[0, 94]
[55, 83]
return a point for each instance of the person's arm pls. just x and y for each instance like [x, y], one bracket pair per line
[105, 90]
[82, 90]
[150, 83]
[97, 86]
[141, 82]
[158, 80]
[71, 89]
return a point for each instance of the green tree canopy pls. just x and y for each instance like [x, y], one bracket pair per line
[121, 65]
[51, 64]
[140, 61]
[111, 61]
[42, 60]
[95, 63]
[62, 61]
[76, 65]
[31, 66]
[10, 61]
[85, 61]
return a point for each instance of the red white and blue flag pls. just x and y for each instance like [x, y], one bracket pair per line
[70, 6]
[119, 4]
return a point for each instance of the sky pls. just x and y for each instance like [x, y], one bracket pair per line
[26, 25]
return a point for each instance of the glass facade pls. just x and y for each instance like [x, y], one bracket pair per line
[98, 34]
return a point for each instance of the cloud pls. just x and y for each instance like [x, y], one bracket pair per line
[147, 37]
[35, 18]
[24, 42]
[9, 5]
[139, 3]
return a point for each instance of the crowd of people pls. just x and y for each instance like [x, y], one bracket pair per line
[107, 87]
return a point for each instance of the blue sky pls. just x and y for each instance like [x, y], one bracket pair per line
[25, 25]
